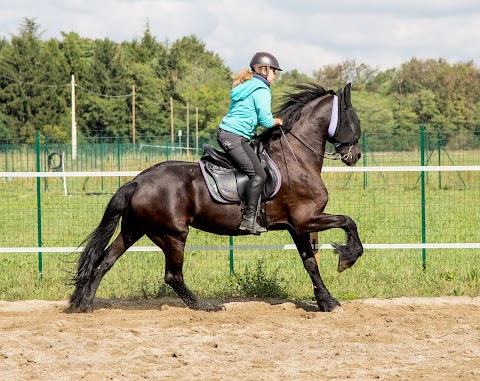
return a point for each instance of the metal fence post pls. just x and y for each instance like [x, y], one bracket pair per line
[439, 147]
[422, 191]
[364, 149]
[231, 255]
[118, 159]
[39, 203]
[101, 162]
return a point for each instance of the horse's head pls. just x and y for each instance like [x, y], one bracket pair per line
[348, 130]
[302, 112]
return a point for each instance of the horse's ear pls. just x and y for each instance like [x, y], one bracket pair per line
[346, 95]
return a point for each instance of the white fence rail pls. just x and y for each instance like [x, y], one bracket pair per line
[445, 245]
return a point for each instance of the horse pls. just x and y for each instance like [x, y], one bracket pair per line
[164, 200]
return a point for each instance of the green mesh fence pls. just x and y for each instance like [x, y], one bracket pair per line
[387, 206]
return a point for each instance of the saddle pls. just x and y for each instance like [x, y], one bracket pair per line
[228, 184]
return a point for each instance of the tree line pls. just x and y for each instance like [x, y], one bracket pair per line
[35, 90]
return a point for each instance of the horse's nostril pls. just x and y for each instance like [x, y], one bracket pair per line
[359, 155]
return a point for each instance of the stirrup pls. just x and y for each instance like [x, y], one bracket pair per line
[251, 226]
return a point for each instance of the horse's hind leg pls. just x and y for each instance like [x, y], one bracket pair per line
[173, 248]
[113, 253]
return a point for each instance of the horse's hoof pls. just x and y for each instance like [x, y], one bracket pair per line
[214, 308]
[328, 305]
[343, 265]
[337, 310]
[78, 309]
[200, 306]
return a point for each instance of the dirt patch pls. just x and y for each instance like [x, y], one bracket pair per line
[398, 339]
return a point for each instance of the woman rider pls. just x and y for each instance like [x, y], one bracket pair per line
[250, 107]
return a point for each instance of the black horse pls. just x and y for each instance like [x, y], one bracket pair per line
[165, 199]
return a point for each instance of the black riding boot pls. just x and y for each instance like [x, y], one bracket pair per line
[254, 190]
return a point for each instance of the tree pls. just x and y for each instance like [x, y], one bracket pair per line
[152, 107]
[21, 97]
[5, 122]
[103, 109]
[405, 117]
[285, 84]
[149, 69]
[201, 79]
[54, 89]
[35, 87]
[337, 76]
[375, 112]
[147, 50]
[425, 106]
[208, 89]
[78, 53]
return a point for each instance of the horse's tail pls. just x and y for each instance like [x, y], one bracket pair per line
[96, 242]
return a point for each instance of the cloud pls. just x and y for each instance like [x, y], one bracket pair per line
[303, 34]
[308, 34]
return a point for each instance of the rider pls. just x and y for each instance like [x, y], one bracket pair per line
[250, 107]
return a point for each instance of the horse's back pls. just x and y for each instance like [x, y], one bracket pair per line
[166, 187]
[174, 194]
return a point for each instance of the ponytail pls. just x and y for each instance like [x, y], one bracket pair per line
[242, 76]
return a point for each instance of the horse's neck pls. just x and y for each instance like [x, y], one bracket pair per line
[304, 144]
[299, 152]
[312, 127]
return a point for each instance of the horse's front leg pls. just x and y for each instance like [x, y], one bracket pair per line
[353, 249]
[326, 302]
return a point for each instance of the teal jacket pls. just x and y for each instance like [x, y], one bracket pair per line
[250, 107]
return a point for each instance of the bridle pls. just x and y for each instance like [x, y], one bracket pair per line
[343, 155]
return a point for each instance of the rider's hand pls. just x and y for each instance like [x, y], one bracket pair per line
[278, 121]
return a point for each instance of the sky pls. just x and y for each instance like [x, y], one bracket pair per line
[303, 34]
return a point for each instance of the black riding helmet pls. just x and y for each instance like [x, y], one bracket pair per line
[264, 59]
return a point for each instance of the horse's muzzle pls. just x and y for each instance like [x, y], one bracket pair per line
[351, 155]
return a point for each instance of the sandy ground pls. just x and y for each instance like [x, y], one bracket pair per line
[398, 339]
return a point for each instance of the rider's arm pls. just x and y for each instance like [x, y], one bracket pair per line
[263, 107]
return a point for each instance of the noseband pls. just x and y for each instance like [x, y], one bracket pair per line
[346, 153]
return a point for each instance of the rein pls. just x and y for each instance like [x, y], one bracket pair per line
[344, 155]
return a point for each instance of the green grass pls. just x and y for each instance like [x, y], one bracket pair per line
[386, 207]
[377, 274]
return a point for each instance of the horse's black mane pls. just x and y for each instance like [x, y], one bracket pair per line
[293, 102]
[292, 105]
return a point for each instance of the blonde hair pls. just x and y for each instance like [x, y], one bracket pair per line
[242, 76]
